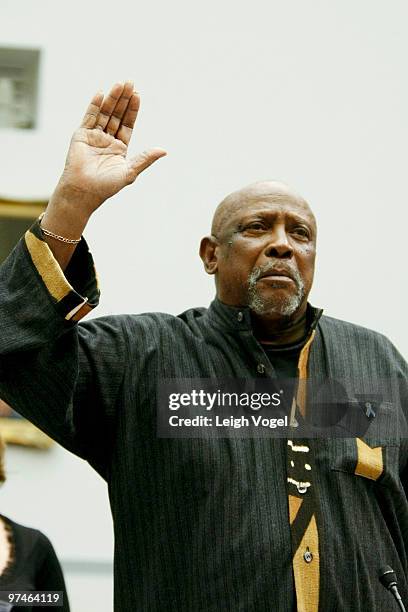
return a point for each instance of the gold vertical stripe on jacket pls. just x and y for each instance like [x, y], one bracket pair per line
[306, 575]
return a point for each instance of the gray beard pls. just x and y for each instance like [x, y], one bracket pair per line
[284, 306]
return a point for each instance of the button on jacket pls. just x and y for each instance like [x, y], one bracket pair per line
[249, 525]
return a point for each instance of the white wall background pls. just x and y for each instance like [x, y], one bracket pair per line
[314, 93]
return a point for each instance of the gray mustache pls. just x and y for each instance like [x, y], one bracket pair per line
[274, 267]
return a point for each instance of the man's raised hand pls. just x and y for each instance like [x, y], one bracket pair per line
[97, 166]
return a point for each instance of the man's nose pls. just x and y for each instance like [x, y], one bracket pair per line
[278, 244]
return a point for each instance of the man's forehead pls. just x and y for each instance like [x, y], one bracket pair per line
[273, 197]
[272, 203]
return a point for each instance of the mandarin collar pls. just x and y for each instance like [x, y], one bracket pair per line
[238, 318]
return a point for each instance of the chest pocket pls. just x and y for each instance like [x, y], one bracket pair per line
[374, 456]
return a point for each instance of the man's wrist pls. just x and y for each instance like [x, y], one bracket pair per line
[66, 216]
[68, 212]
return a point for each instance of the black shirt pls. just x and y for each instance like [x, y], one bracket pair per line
[284, 359]
[34, 565]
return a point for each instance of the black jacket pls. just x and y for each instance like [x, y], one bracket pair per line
[209, 525]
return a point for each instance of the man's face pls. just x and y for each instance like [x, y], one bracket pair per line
[265, 255]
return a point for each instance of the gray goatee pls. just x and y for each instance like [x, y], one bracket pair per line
[285, 306]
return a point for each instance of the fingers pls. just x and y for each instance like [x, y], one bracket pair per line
[92, 112]
[108, 105]
[124, 132]
[120, 109]
[115, 113]
[142, 161]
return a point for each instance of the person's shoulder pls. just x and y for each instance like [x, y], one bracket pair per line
[358, 335]
[28, 539]
[148, 321]
[30, 534]
[347, 328]
[166, 317]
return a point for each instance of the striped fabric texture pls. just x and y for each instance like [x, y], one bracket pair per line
[249, 525]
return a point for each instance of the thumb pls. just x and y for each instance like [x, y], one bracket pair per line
[140, 162]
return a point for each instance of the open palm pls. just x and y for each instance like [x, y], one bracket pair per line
[97, 163]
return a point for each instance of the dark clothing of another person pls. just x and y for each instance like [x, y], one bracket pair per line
[34, 566]
[209, 525]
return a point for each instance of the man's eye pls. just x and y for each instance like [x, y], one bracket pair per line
[256, 225]
[301, 231]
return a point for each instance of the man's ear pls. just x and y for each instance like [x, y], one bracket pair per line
[208, 253]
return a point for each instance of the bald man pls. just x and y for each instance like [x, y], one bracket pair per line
[223, 522]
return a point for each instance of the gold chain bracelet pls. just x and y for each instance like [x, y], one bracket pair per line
[56, 236]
